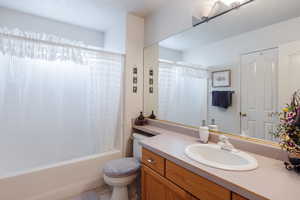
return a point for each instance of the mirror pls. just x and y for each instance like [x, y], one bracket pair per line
[234, 73]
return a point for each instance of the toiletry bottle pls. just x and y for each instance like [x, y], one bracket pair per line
[140, 121]
[213, 125]
[152, 116]
[204, 134]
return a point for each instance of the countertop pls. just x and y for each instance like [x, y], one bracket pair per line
[270, 181]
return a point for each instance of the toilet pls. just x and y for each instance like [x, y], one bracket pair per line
[122, 172]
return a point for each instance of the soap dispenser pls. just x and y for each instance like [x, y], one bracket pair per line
[204, 133]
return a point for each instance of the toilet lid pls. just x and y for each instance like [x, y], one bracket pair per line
[121, 167]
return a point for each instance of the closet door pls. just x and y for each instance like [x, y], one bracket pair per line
[259, 93]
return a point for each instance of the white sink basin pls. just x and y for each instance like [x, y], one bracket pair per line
[212, 155]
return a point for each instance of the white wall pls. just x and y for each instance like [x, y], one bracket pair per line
[25, 22]
[170, 54]
[228, 119]
[134, 58]
[228, 51]
[151, 55]
[115, 36]
[172, 18]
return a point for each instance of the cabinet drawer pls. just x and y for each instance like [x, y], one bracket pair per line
[195, 184]
[154, 161]
[237, 197]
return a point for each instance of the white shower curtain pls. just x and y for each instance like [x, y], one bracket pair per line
[57, 103]
[182, 94]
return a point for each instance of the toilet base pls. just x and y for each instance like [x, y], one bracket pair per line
[120, 190]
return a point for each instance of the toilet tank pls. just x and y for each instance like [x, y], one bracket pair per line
[137, 148]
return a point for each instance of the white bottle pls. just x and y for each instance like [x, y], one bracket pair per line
[204, 134]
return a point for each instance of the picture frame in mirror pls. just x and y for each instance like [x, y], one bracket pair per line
[221, 78]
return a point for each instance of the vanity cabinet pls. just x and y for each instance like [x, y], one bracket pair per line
[237, 197]
[156, 187]
[165, 180]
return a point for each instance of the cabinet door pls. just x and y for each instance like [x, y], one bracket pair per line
[156, 187]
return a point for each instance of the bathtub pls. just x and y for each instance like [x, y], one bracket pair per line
[56, 182]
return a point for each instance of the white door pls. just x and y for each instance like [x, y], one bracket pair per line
[259, 93]
[289, 72]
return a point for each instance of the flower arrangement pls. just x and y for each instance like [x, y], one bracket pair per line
[288, 130]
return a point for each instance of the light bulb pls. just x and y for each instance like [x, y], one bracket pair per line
[231, 2]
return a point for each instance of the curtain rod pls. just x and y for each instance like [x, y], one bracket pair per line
[182, 65]
[59, 44]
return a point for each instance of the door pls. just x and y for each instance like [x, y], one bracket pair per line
[259, 94]
[156, 187]
[289, 70]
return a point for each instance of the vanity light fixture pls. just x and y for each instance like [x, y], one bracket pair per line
[215, 8]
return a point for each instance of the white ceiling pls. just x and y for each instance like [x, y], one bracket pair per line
[258, 14]
[94, 14]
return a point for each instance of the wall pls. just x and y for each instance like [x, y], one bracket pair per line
[170, 54]
[172, 18]
[115, 36]
[134, 58]
[25, 22]
[228, 119]
[228, 51]
[151, 55]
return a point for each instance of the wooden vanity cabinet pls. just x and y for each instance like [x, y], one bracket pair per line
[165, 180]
[237, 197]
[156, 187]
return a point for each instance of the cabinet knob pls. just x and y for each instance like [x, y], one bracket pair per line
[151, 161]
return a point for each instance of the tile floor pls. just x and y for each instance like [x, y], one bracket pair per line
[96, 195]
[93, 195]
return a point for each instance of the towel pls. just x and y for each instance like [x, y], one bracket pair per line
[222, 99]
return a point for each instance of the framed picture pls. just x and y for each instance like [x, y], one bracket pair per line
[221, 78]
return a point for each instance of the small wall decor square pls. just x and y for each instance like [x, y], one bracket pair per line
[221, 78]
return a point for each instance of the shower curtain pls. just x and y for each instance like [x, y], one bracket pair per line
[182, 94]
[57, 102]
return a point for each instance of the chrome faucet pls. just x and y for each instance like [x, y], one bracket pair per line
[225, 144]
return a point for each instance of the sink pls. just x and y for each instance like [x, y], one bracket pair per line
[212, 155]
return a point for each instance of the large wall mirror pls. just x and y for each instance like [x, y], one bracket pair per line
[234, 73]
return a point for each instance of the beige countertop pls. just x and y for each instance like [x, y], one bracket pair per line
[270, 181]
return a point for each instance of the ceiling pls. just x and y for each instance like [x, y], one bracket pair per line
[94, 14]
[258, 14]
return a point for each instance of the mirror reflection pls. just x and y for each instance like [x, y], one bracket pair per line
[233, 74]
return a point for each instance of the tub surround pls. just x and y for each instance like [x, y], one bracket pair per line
[270, 181]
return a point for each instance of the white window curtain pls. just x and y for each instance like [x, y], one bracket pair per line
[182, 94]
[57, 102]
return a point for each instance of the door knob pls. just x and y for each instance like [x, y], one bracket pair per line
[243, 114]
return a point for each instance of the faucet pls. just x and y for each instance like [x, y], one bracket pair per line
[225, 144]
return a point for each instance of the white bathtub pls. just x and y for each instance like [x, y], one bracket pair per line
[57, 181]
